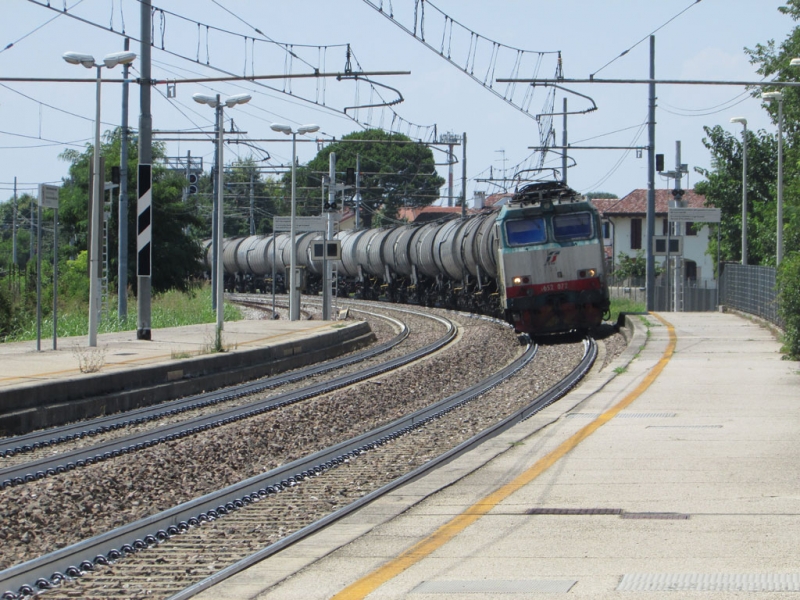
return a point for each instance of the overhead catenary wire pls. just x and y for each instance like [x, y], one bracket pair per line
[295, 97]
[660, 27]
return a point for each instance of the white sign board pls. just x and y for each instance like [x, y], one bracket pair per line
[695, 215]
[301, 224]
[48, 195]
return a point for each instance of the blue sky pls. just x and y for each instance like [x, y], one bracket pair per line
[39, 120]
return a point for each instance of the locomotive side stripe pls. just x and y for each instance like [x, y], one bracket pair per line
[144, 261]
[371, 582]
[576, 285]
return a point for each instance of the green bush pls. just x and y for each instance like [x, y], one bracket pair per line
[6, 313]
[73, 281]
[789, 303]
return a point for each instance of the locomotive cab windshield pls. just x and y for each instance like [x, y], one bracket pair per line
[572, 226]
[523, 232]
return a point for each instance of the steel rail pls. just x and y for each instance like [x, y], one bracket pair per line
[72, 561]
[58, 435]
[539, 403]
[67, 461]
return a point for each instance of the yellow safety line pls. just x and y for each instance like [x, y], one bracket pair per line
[369, 583]
[152, 358]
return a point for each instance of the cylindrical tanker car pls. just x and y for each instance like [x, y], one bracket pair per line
[538, 262]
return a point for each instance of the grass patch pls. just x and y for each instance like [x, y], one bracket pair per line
[170, 309]
[620, 305]
[620, 370]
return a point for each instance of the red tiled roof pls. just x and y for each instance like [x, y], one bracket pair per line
[635, 203]
[429, 213]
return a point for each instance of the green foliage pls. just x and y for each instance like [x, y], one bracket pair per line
[393, 175]
[601, 196]
[723, 190]
[169, 309]
[789, 302]
[6, 312]
[175, 251]
[24, 205]
[626, 305]
[269, 199]
[73, 279]
[629, 267]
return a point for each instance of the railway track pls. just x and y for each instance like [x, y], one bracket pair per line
[167, 537]
[29, 457]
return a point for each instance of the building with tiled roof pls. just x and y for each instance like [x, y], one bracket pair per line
[625, 229]
[426, 214]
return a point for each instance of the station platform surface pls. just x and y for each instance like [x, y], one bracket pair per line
[675, 472]
[47, 387]
[21, 363]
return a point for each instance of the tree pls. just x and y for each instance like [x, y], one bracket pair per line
[723, 190]
[723, 185]
[773, 63]
[602, 196]
[395, 172]
[242, 177]
[26, 205]
[175, 250]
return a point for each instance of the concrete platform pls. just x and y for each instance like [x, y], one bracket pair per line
[677, 469]
[51, 387]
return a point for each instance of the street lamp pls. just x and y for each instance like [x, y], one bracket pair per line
[779, 236]
[110, 61]
[743, 121]
[294, 285]
[216, 102]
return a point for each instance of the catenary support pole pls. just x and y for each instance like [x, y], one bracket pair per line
[651, 180]
[144, 218]
[464, 175]
[122, 251]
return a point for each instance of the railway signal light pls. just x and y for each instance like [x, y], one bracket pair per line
[193, 179]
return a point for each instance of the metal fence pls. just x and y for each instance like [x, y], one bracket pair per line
[748, 288]
[751, 289]
[693, 296]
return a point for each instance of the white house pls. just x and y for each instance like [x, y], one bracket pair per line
[625, 230]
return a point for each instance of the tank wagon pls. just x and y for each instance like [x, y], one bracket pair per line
[538, 263]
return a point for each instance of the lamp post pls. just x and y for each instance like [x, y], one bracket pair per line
[779, 235]
[294, 285]
[216, 102]
[109, 61]
[743, 122]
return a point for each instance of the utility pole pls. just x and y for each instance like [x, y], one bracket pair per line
[564, 143]
[144, 258]
[450, 158]
[674, 274]
[358, 191]
[32, 229]
[14, 228]
[215, 174]
[651, 180]
[328, 235]
[122, 252]
[464, 175]
[252, 203]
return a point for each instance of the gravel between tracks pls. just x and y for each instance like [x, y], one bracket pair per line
[45, 515]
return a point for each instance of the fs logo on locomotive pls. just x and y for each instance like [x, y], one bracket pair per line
[552, 256]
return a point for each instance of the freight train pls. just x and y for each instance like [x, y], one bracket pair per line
[539, 262]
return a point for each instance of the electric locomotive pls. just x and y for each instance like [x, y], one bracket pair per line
[551, 274]
[539, 262]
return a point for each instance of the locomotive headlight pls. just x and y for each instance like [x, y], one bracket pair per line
[584, 273]
[520, 280]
